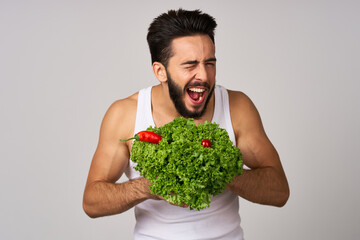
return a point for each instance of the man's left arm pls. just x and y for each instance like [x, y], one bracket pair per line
[265, 182]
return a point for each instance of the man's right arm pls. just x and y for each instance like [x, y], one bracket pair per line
[102, 195]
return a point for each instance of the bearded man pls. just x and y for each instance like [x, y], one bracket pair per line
[182, 47]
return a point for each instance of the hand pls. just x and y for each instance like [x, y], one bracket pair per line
[156, 197]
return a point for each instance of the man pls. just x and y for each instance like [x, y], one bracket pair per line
[183, 56]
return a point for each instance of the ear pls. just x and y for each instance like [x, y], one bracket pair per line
[159, 71]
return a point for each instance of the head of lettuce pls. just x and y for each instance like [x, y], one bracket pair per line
[181, 169]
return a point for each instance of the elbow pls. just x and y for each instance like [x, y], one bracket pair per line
[90, 211]
[283, 197]
[89, 207]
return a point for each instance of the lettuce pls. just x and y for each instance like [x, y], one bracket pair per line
[181, 169]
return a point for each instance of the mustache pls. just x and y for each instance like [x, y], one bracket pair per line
[197, 84]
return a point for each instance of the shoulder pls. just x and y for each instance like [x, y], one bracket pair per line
[237, 97]
[121, 106]
[241, 106]
[244, 115]
[119, 119]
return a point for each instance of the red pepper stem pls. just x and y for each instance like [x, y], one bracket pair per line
[136, 137]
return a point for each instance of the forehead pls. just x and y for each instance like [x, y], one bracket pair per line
[197, 47]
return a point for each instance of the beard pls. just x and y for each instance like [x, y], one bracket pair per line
[176, 95]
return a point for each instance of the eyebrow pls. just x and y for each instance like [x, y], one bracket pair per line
[211, 60]
[191, 62]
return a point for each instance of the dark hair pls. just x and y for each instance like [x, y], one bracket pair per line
[173, 24]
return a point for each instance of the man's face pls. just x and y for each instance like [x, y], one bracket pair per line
[191, 74]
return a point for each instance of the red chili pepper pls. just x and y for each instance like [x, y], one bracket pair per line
[206, 143]
[146, 136]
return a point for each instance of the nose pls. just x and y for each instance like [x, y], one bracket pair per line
[201, 72]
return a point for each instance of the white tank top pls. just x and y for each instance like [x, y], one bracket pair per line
[156, 219]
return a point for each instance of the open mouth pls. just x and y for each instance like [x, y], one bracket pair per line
[196, 94]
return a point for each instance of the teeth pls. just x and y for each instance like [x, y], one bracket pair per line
[199, 90]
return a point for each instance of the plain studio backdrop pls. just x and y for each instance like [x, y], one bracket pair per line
[62, 63]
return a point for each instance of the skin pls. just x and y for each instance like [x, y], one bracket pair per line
[193, 61]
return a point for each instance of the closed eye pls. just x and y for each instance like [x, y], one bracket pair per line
[194, 62]
[210, 61]
[189, 66]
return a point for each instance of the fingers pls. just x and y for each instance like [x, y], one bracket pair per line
[156, 197]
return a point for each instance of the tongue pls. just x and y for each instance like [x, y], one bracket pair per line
[194, 95]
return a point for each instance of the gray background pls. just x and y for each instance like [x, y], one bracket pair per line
[62, 63]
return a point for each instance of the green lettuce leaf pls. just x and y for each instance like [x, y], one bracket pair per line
[181, 169]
